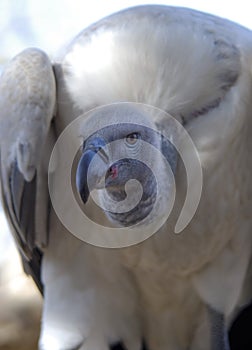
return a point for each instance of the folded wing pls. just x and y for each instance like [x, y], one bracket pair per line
[27, 105]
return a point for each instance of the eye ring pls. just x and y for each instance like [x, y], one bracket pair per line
[132, 139]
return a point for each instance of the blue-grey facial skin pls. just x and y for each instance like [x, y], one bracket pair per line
[132, 169]
[118, 173]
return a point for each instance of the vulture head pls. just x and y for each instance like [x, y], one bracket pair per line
[129, 161]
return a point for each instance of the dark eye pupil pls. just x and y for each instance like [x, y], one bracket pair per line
[132, 138]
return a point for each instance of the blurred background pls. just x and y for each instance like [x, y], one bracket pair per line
[49, 25]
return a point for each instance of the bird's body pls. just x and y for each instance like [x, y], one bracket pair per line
[198, 69]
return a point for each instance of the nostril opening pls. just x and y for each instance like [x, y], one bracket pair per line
[102, 153]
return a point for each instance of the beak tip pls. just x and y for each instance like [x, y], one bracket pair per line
[84, 197]
[82, 190]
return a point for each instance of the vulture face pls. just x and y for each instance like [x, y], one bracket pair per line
[121, 160]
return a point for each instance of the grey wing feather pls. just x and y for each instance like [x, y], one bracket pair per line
[27, 105]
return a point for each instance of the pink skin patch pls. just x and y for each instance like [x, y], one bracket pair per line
[113, 171]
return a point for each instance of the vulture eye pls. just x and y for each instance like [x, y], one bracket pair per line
[131, 139]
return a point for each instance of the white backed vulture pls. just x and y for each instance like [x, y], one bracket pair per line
[137, 79]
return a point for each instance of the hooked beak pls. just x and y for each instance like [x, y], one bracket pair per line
[86, 180]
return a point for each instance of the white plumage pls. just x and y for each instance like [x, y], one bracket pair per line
[197, 68]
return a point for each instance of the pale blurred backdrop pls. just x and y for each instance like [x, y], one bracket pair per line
[49, 25]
